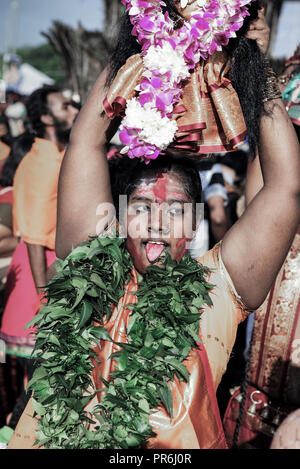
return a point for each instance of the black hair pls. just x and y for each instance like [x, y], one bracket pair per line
[126, 174]
[37, 106]
[297, 130]
[248, 69]
[237, 160]
[20, 147]
[249, 73]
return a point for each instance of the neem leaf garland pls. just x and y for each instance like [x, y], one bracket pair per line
[163, 328]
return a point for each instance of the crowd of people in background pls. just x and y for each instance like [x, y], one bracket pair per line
[34, 133]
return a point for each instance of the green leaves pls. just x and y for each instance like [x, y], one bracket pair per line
[86, 313]
[179, 367]
[165, 395]
[100, 333]
[163, 328]
[38, 408]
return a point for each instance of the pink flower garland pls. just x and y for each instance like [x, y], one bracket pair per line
[169, 57]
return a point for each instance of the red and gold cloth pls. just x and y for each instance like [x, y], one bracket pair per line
[209, 114]
[275, 353]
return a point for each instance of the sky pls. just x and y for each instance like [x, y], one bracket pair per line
[37, 15]
[288, 36]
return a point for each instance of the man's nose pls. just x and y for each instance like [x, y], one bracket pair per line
[74, 112]
[158, 221]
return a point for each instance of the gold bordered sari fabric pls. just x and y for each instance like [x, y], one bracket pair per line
[275, 354]
[209, 115]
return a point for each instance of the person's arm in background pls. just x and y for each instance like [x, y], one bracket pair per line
[84, 181]
[37, 259]
[8, 242]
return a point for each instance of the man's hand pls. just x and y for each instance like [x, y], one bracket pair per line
[259, 31]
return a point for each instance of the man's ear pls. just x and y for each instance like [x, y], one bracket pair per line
[46, 119]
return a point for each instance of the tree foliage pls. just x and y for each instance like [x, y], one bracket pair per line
[45, 59]
[84, 54]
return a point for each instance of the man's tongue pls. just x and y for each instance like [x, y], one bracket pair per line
[153, 251]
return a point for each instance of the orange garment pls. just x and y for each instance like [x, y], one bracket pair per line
[35, 194]
[196, 423]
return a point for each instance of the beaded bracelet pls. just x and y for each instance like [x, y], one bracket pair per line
[271, 90]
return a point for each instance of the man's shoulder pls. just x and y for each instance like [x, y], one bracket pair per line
[211, 258]
[44, 147]
[43, 153]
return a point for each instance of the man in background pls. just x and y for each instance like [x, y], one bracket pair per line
[50, 119]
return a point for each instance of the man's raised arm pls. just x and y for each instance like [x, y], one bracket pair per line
[255, 247]
[84, 179]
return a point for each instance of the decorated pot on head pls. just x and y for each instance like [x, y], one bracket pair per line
[176, 94]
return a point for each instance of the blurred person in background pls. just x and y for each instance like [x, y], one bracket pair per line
[15, 111]
[8, 241]
[272, 386]
[292, 68]
[9, 376]
[213, 225]
[234, 169]
[50, 118]
[5, 140]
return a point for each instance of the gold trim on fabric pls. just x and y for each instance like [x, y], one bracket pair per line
[276, 322]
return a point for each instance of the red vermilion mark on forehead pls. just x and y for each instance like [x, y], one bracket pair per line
[160, 187]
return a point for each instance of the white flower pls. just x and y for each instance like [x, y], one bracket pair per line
[154, 129]
[134, 11]
[165, 59]
[200, 3]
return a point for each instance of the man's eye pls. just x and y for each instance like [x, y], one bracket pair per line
[141, 209]
[175, 211]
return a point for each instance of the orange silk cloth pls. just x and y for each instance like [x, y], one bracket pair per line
[196, 422]
[35, 194]
[209, 114]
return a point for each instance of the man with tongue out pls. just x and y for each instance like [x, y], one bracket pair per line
[158, 212]
[161, 216]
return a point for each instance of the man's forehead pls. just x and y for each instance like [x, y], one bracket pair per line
[56, 98]
[165, 184]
